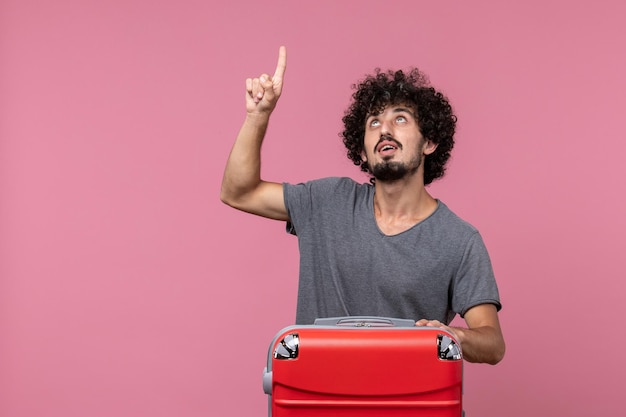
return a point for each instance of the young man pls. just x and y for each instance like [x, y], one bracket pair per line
[382, 249]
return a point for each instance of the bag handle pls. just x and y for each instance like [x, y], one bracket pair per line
[364, 321]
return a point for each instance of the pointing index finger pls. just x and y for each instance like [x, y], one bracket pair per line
[281, 65]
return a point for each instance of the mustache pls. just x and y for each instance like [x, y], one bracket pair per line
[387, 137]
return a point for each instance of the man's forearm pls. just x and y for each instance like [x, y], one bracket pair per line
[481, 344]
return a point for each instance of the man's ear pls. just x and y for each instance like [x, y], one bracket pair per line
[363, 156]
[429, 147]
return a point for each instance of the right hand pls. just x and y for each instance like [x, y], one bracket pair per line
[262, 93]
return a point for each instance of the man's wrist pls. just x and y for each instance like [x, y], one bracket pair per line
[258, 119]
[459, 334]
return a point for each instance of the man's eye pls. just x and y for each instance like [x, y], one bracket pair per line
[401, 119]
[374, 123]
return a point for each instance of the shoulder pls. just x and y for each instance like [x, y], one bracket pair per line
[328, 186]
[444, 212]
[450, 223]
[323, 201]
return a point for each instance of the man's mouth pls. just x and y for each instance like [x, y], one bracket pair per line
[387, 144]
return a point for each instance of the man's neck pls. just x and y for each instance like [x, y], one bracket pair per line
[400, 205]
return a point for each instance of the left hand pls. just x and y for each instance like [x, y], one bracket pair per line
[481, 340]
[436, 323]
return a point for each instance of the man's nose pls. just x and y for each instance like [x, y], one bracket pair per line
[385, 129]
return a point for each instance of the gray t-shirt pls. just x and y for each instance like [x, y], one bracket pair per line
[348, 267]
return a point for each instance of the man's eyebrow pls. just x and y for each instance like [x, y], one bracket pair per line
[404, 110]
[395, 110]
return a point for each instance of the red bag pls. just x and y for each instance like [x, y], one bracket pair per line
[364, 366]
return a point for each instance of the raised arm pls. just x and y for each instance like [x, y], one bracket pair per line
[242, 186]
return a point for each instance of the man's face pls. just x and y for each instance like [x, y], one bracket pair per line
[393, 145]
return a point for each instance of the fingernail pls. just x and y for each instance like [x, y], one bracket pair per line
[263, 79]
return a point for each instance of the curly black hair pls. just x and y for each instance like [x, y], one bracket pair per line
[436, 119]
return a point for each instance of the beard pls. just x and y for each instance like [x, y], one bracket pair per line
[389, 171]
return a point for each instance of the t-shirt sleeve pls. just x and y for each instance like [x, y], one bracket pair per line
[298, 199]
[474, 283]
[303, 199]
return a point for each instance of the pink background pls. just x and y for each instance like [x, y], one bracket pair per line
[128, 289]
